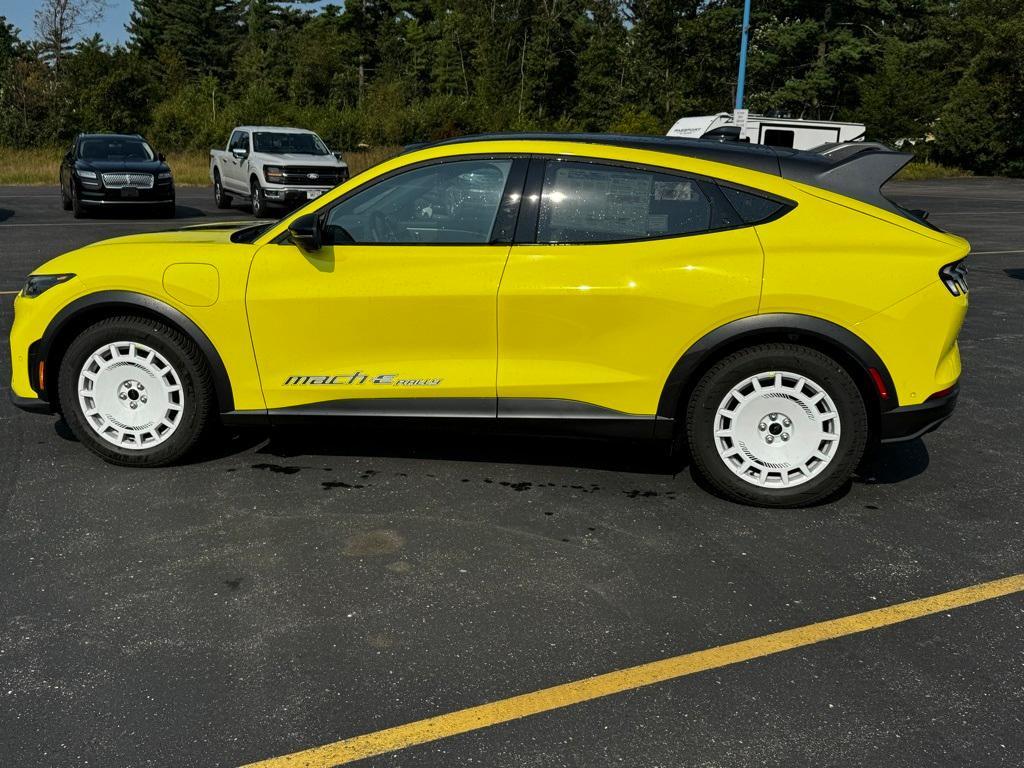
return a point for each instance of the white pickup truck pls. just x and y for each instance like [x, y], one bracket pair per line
[274, 166]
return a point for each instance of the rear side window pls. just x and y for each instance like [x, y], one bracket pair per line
[752, 208]
[594, 203]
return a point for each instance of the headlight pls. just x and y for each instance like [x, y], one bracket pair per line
[37, 284]
[87, 174]
[273, 173]
[164, 175]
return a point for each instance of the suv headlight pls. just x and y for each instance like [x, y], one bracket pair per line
[273, 173]
[37, 284]
[164, 175]
[91, 175]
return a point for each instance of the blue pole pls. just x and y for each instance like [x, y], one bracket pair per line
[742, 77]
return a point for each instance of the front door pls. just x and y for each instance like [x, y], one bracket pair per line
[396, 313]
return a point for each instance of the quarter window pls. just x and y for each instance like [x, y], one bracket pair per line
[446, 203]
[593, 203]
[751, 208]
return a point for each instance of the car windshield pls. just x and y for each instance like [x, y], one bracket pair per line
[105, 148]
[285, 143]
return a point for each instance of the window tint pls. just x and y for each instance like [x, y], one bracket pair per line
[751, 208]
[776, 138]
[454, 202]
[239, 140]
[591, 203]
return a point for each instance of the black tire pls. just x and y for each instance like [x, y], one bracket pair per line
[65, 201]
[179, 351]
[730, 372]
[77, 209]
[220, 197]
[256, 198]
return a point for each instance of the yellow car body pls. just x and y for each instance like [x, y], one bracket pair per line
[603, 333]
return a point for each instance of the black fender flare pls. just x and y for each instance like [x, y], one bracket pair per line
[823, 334]
[84, 307]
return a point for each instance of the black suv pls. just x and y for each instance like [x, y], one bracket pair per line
[111, 170]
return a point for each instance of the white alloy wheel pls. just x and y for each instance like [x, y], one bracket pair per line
[777, 429]
[130, 395]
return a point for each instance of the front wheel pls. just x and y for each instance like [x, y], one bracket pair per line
[777, 425]
[259, 201]
[135, 391]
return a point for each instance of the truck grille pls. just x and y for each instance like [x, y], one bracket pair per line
[312, 176]
[122, 180]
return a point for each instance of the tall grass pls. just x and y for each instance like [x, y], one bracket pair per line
[191, 167]
[925, 169]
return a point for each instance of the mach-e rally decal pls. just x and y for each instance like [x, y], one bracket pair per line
[345, 379]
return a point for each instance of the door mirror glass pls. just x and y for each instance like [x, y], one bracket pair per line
[305, 232]
[240, 152]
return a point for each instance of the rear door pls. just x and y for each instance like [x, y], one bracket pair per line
[396, 313]
[616, 270]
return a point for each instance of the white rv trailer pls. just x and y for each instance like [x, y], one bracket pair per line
[773, 131]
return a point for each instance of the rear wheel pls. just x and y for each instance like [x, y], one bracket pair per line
[220, 197]
[65, 201]
[135, 391]
[777, 425]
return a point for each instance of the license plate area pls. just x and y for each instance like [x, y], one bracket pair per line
[129, 192]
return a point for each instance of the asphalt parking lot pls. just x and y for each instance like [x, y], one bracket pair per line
[283, 593]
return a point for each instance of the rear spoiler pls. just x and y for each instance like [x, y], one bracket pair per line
[856, 169]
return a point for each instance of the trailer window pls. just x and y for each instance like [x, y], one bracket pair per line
[774, 137]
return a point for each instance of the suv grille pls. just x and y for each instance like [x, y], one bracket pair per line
[314, 176]
[122, 180]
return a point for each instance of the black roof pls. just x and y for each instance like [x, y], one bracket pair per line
[854, 169]
[110, 136]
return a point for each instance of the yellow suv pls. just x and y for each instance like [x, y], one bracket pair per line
[771, 305]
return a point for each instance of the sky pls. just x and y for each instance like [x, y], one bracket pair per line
[111, 27]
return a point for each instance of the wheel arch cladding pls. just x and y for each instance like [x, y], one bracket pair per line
[844, 346]
[94, 307]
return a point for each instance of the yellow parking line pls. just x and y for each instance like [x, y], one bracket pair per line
[547, 699]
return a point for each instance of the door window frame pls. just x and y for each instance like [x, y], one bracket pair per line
[502, 231]
[724, 216]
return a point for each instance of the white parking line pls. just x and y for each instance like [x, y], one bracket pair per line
[993, 253]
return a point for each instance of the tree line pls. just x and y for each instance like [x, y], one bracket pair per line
[948, 74]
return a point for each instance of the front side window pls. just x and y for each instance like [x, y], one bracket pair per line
[239, 140]
[447, 203]
[593, 203]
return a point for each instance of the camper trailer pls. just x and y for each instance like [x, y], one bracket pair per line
[773, 131]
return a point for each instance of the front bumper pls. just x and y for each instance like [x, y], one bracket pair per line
[98, 195]
[293, 195]
[31, 404]
[911, 421]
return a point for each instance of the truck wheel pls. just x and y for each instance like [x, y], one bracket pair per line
[259, 202]
[135, 392]
[220, 197]
[65, 201]
[776, 425]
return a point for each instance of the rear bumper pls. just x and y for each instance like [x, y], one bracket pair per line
[912, 421]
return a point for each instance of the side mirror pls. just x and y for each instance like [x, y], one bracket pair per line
[338, 155]
[161, 157]
[305, 232]
[240, 153]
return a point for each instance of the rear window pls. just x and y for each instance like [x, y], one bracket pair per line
[594, 203]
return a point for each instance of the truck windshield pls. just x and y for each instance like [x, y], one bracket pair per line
[285, 143]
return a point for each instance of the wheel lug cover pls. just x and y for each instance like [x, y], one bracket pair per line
[785, 436]
[768, 439]
[786, 422]
[762, 426]
[773, 416]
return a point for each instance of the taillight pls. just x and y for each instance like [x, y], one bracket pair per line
[954, 277]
